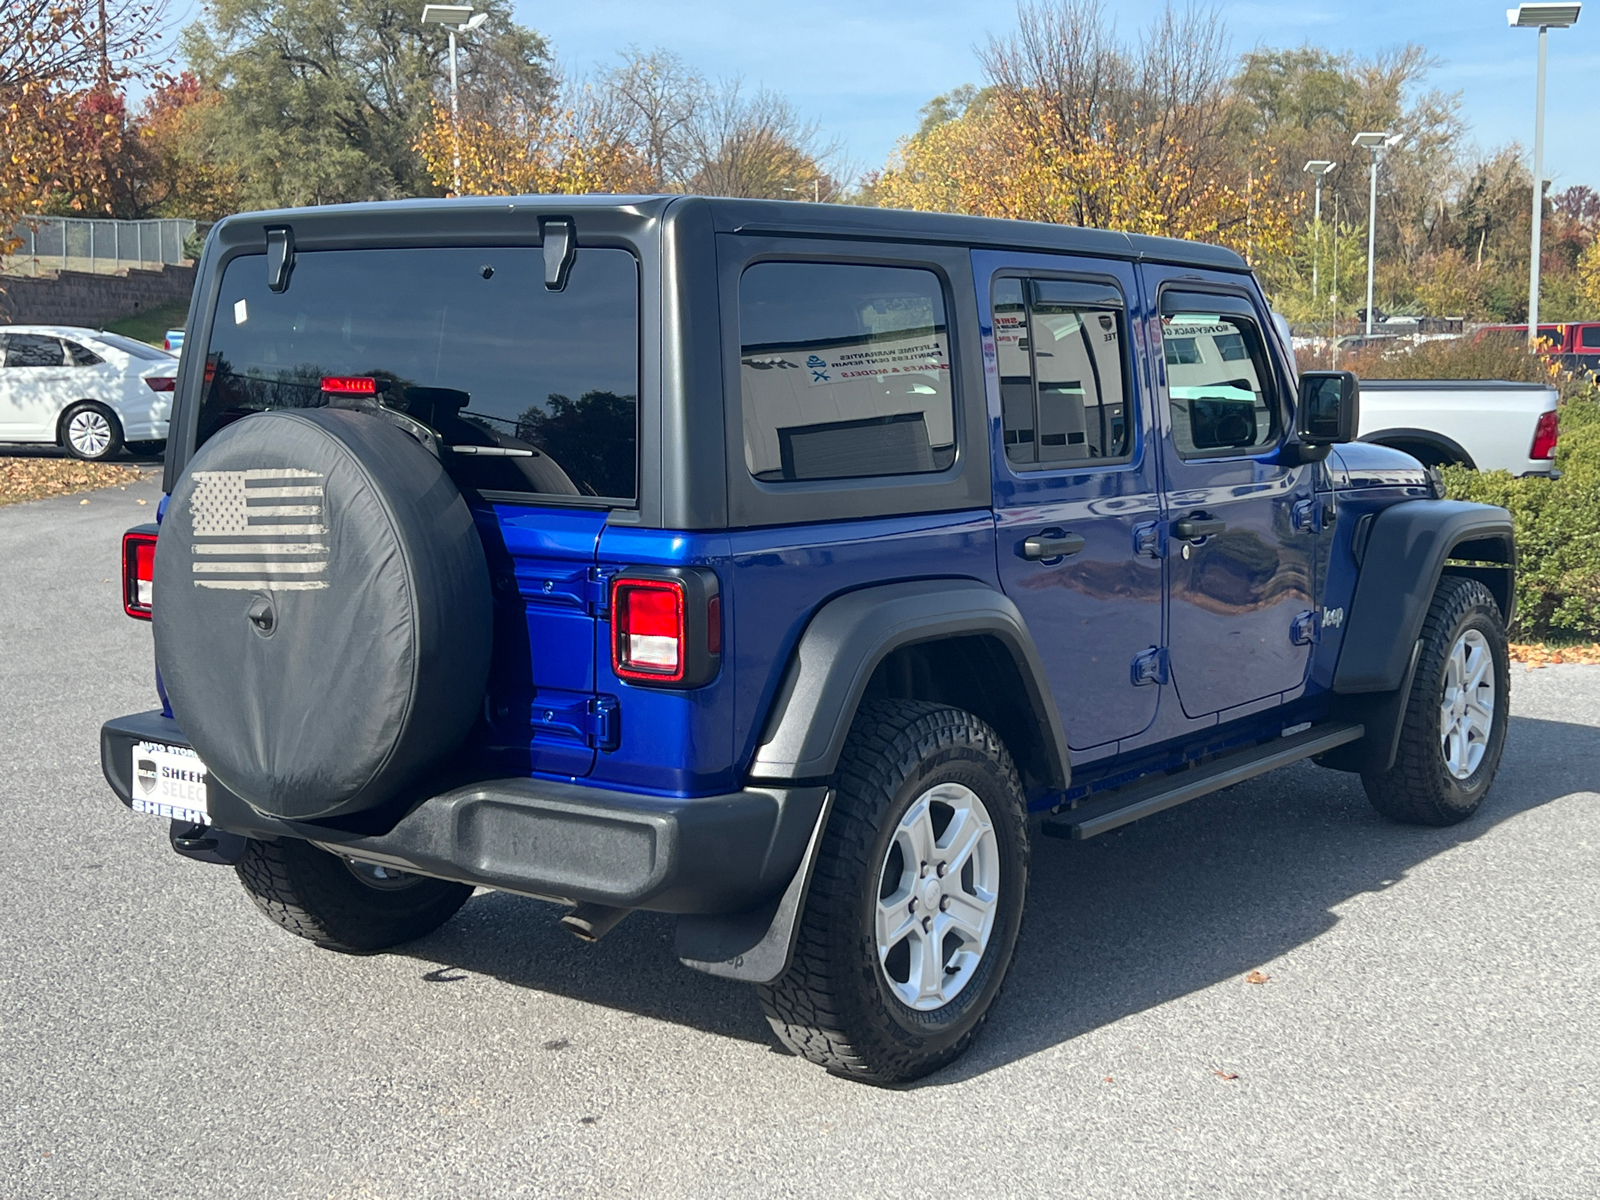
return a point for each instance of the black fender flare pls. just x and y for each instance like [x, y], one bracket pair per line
[850, 635]
[1402, 557]
[1431, 438]
[1403, 554]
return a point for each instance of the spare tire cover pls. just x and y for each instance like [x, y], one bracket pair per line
[324, 624]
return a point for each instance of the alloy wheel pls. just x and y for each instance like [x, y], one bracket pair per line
[1466, 715]
[938, 896]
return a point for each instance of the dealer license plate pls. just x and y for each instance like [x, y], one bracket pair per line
[169, 781]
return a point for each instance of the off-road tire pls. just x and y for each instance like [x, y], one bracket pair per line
[834, 1006]
[315, 895]
[1420, 789]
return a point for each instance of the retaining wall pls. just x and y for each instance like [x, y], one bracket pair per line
[79, 298]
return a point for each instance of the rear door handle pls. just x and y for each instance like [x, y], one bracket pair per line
[1061, 545]
[1191, 529]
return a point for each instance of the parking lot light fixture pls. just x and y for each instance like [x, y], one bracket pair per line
[1542, 17]
[1372, 143]
[1319, 168]
[457, 18]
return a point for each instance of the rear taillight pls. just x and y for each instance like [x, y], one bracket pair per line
[138, 572]
[1545, 434]
[666, 626]
[160, 383]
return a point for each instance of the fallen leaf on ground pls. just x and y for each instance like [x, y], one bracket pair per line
[1256, 977]
[1226, 1074]
[1534, 655]
[1108, 1079]
[36, 478]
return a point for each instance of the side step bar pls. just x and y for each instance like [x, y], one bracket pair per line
[1124, 805]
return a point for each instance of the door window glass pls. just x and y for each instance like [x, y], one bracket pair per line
[1218, 383]
[844, 371]
[1589, 337]
[1063, 387]
[33, 350]
[535, 391]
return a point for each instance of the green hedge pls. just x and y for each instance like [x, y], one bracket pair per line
[1557, 527]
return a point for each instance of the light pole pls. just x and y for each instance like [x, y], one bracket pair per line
[1372, 143]
[457, 18]
[1318, 167]
[1542, 17]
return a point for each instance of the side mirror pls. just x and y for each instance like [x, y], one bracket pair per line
[1330, 407]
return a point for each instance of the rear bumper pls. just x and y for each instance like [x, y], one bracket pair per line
[560, 841]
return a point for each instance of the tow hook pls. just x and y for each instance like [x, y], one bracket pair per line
[206, 843]
[591, 922]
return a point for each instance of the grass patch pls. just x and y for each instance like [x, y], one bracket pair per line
[39, 478]
[151, 324]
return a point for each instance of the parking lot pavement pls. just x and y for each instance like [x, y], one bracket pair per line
[1427, 1028]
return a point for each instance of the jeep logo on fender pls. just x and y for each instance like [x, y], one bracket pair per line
[259, 529]
[1332, 618]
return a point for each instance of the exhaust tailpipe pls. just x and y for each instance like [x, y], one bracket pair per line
[591, 922]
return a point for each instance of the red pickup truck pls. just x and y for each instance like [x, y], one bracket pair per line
[1576, 343]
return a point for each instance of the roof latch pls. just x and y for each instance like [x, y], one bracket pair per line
[559, 247]
[280, 257]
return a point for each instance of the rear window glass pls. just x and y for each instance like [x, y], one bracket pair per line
[536, 390]
[845, 371]
[137, 349]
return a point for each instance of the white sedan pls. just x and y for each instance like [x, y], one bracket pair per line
[84, 390]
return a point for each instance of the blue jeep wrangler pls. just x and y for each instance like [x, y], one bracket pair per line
[779, 566]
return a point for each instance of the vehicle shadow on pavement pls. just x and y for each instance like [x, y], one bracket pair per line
[1114, 926]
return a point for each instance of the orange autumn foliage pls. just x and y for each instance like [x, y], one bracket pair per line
[519, 152]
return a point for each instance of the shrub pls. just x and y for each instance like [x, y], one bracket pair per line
[1557, 524]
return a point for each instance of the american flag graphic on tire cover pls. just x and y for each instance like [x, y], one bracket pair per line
[261, 528]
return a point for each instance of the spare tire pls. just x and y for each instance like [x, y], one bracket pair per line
[324, 623]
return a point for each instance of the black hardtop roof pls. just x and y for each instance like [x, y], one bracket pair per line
[409, 217]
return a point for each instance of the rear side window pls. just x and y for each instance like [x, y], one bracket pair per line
[1219, 384]
[536, 391]
[1589, 337]
[82, 356]
[33, 350]
[844, 371]
[1063, 384]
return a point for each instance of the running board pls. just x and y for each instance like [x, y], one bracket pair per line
[1118, 808]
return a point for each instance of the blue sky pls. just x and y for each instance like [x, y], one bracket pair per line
[863, 68]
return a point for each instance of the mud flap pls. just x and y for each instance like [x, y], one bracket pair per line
[755, 946]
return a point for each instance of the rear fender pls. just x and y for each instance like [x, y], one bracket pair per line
[852, 635]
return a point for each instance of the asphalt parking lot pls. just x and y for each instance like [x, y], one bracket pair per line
[1428, 1026]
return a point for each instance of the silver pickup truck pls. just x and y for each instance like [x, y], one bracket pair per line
[1491, 425]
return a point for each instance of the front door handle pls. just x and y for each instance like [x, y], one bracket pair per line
[1058, 545]
[1192, 529]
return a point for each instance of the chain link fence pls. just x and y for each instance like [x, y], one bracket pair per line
[101, 246]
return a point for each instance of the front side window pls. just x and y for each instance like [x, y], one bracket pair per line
[1589, 337]
[535, 390]
[1063, 389]
[1218, 384]
[844, 371]
[34, 350]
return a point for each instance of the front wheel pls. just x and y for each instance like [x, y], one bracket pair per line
[91, 431]
[1455, 720]
[341, 904]
[916, 901]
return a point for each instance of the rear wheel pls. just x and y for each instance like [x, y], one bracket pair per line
[340, 904]
[1455, 722]
[91, 431]
[916, 902]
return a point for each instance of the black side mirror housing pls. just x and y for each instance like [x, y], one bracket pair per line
[1330, 407]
